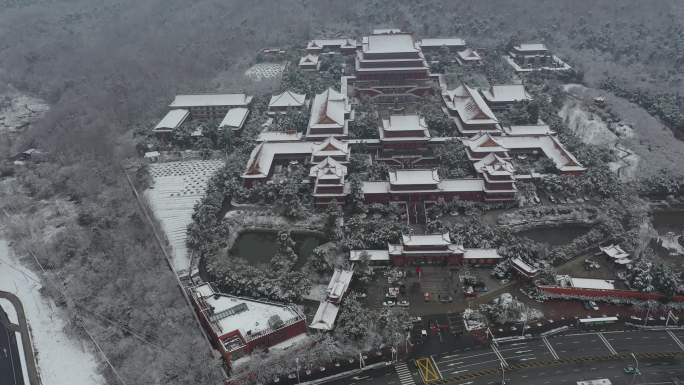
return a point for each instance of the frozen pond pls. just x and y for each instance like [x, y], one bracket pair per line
[258, 247]
[176, 187]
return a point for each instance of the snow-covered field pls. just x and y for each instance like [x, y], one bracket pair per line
[262, 71]
[62, 360]
[176, 187]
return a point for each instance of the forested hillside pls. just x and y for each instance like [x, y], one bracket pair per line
[108, 67]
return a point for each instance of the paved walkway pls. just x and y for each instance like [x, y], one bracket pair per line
[25, 336]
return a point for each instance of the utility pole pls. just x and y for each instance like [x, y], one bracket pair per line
[636, 368]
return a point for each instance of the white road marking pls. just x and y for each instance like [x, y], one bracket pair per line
[608, 345]
[676, 340]
[498, 354]
[551, 350]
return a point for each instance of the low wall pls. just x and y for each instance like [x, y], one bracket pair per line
[603, 293]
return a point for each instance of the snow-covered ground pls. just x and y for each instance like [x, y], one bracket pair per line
[262, 71]
[61, 360]
[176, 187]
[17, 109]
[650, 144]
[591, 129]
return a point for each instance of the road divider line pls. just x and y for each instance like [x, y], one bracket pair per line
[551, 349]
[608, 345]
[498, 354]
[676, 339]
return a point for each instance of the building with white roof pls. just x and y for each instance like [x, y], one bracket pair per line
[469, 56]
[416, 186]
[404, 139]
[428, 249]
[393, 56]
[339, 283]
[549, 146]
[309, 62]
[285, 101]
[343, 45]
[330, 115]
[523, 268]
[501, 97]
[482, 145]
[234, 119]
[329, 182]
[210, 106]
[469, 111]
[452, 43]
[325, 316]
[266, 155]
[534, 57]
[585, 283]
[238, 325]
[172, 120]
[528, 130]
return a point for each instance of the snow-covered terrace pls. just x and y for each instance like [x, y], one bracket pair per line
[176, 188]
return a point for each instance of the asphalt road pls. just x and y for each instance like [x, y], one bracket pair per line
[660, 373]
[10, 364]
[464, 361]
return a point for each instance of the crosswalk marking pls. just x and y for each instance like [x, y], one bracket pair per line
[404, 374]
[608, 345]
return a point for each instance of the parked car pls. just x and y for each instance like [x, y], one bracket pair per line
[445, 298]
[469, 292]
[593, 305]
[427, 296]
[552, 199]
[388, 303]
[416, 319]
[403, 303]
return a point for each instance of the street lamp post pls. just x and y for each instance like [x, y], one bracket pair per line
[636, 368]
[297, 361]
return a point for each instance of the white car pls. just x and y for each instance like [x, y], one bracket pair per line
[388, 303]
[403, 303]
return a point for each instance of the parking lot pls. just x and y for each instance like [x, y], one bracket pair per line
[436, 290]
